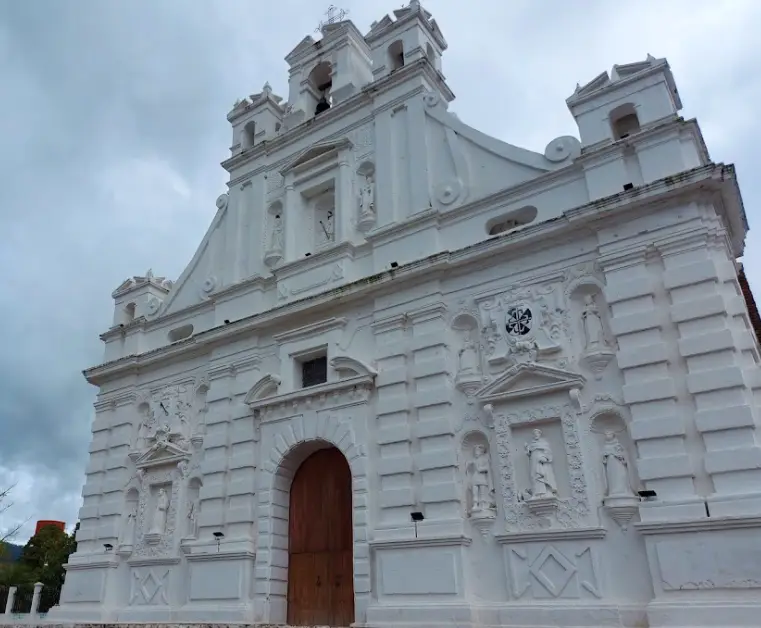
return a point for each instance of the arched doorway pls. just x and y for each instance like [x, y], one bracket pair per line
[320, 542]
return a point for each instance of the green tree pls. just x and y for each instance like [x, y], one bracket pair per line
[46, 553]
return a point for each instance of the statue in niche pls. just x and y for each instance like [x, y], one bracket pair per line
[542, 475]
[193, 517]
[158, 524]
[469, 362]
[367, 199]
[594, 334]
[616, 467]
[276, 237]
[481, 487]
[128, 534]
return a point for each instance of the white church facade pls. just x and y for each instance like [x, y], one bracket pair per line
[417, 376]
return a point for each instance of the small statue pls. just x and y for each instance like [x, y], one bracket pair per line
[367, 199]
[276, 243]
[593, 329]
[540, 466]
[159, 515]
[193, 518]
[469, 360]
[616, 467]
[482, 489]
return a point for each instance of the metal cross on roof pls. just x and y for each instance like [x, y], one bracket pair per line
[333, 15]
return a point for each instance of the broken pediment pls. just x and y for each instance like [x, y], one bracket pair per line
[267, 386]
[322, 150]
[529, 379]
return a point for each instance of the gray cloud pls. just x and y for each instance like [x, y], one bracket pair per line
[112, 127]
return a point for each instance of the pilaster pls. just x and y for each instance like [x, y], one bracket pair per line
[659, 421]
[345, 205]
[433, 439]
[706, 304]
[395, 466]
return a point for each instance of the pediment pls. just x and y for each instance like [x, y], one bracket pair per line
[304, 45]
[158, 455]
[527, 380]
[596, 83]
[314, 152]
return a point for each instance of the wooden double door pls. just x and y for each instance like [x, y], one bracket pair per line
[320, 545]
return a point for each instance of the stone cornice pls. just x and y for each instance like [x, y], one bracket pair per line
[356, 102]
[431, 541]
[560, 534]
[147, 561]
[220, 555]
[706, 179]
[320, 327]
[709, 524]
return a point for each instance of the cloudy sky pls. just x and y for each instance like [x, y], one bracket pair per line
[112, 127]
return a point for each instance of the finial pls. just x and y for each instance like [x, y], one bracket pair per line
[267, 89]
[333, 15]
[149, 274]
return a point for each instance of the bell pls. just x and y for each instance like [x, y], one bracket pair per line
[322, 105]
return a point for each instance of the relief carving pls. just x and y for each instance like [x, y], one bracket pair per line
[571, 511]
[545, 572]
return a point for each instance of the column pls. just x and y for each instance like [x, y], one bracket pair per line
[11, 599]
[36, 598]
[721, 360]
[291, 216]
[639, 318]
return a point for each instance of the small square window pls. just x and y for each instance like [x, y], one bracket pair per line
[314, 371]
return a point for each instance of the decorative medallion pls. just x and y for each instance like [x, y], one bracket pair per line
[519, 320]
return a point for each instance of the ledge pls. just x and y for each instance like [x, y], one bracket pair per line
[212, 556]
[145, 561]
[709, 524]
[558, 534]
[431, 541]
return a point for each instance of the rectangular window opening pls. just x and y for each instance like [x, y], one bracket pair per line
[314, 371]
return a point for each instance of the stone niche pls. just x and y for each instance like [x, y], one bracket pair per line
[536, 435]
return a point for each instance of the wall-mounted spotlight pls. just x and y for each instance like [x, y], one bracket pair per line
[108, 547]
[227, 321]
[416, 518]
[219, 536]
[394, 264]
[647, 495]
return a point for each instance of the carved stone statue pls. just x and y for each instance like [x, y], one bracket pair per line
[276, 238]
[128, 533]
[468, 357]
[193, 517]
[593, 329]
[540, 466]
[616, 467]
[158, 524]
[481, 486]
[367, 198]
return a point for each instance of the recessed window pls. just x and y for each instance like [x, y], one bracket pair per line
[624, 121]
[314, 371]
[396, 55]
[180, 333]
[511, 220]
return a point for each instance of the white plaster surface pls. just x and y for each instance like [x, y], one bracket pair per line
[607, 302]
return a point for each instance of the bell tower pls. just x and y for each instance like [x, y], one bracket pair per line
[327, 71]
[413, 35]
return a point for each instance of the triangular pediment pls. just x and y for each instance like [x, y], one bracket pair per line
[167, 453]
[303, 45]
[321, 149]
[527, 380]
[596, 83]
